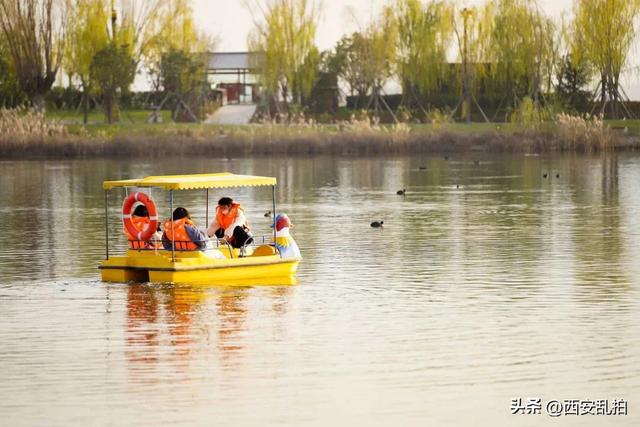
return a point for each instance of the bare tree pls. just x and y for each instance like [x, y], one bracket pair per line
[33, 30]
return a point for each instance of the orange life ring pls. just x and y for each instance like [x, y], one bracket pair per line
[151, 227]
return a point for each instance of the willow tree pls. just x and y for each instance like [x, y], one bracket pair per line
[285, 33]
[138, 24]
[34, 35]
[521, 49]
[176, 35]
[10, 94]
[425, 35]
[87, 34]
[176, 27]
[380, 56]
[134, 23]
[603, 34]
[473, 27]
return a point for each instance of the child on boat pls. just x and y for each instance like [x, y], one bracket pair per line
[186, 235]
[230, 223]
[140, 219]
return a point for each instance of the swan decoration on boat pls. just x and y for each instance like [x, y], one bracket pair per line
[285, 243]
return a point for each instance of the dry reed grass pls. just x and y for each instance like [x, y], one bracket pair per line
[24, 134]
[587, 134]
[25, 125]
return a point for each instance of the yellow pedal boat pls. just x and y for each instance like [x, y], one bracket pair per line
[259, 264]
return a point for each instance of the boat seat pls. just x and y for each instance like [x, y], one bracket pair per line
[235, 253]
[264, 250]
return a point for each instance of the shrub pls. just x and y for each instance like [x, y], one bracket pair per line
[440, 118]
[404, 114]
[529, 115]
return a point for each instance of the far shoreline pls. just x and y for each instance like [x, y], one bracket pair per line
[155, 141]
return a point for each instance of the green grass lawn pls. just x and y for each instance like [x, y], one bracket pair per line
[633, 126]
[134, 122]
[97, 117]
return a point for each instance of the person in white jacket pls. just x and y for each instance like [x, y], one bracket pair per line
[229, 223]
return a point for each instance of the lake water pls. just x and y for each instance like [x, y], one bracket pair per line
[487, 283]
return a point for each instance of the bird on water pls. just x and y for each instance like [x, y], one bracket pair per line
[377, 224]
[401, 192]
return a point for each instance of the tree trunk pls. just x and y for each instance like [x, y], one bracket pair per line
[285, 96]
[108, 107]
[614, 100]
[615, 89]
[38, 102]
[85, 108]
[85, 102]
[603, 94]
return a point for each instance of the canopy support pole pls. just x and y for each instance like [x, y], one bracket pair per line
[206, 222]
[106, 223]
[173, 231]
[275, 245]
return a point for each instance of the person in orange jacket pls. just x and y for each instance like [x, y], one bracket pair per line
[230, 223]
[140, 219]
[186, 235]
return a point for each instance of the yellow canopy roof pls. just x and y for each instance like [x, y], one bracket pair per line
[193, 182]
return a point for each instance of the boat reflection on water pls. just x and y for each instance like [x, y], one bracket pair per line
[180, 326]
[142, 314]
[244, 283]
